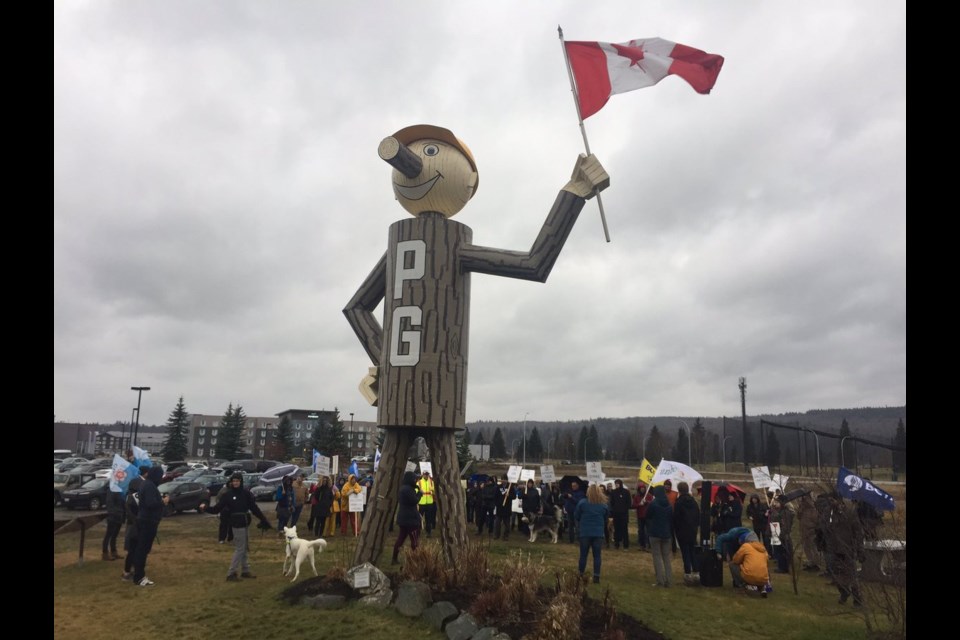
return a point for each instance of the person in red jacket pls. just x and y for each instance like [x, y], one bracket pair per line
[640, 504]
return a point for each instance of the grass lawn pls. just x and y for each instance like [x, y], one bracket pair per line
[191, 599]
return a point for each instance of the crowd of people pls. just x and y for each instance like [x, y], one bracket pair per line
[831, 530]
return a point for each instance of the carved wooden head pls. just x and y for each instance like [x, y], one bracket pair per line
[434, 171]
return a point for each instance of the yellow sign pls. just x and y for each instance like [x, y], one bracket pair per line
[647, 471]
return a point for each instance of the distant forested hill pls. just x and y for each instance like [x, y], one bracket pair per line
[628, 437]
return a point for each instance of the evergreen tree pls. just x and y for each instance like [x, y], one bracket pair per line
[680, 451]
[698, 435]
[479, 439]
[773, 450]
[328, 437]
[716, 451]
[566, 449]
[283, 437]
[535, 446]
[655, 446]
[900, 441]
[593, 448]
[175, 445]
[231, 428]
[844, 450]
[629, 453]
[463, 449]
[582, 443]
[498, 448]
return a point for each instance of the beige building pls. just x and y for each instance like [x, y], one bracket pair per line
[205, 428]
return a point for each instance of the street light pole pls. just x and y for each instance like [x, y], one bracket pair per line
[585, 441]
[689, 444]
[817, 438]
[724, 447]
[525, 438]
[136, 427]
[353, 434]
[842, 460]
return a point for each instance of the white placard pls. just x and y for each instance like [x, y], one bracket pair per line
[323, 465]
[335, 466]
[361, 579]
[356, 502]
[775, 534]
[516, 506]
[513, 473]
[778, 481]
[547, 474]
[426, 467]
[761, 477]
[527, 474]
[594, 473]
[411, 466]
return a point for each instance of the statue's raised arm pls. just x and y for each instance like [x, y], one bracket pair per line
[589, 178]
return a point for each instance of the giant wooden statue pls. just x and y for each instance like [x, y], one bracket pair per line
[419, 381]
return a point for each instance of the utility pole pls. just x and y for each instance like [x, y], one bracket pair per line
[743, 411]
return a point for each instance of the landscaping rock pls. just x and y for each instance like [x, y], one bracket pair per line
[462, 628]
[378, 600]
[413, 598]
[379, 582]
[440, 614]
[489, 633]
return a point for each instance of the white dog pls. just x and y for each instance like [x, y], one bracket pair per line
[299, 550]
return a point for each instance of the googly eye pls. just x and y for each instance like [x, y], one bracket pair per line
[431, 150]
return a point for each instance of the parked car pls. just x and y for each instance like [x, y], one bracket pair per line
[92, 494]
[263, 493]
[193, 474]
[184, 495]
[171, 474]
[69, 480]
[248, 466]
[86, 467]
[212, 481]
[251, 480]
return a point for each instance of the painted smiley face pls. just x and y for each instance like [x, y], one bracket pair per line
[444, 185]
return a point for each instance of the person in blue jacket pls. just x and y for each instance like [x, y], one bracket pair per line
[660, 531]
[570, 501]
[591, 515]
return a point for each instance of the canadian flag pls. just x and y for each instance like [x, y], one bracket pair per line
[602, 69]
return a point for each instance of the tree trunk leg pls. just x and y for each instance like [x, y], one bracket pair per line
[383, 502]
[451, 511]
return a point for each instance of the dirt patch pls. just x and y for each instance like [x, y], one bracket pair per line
[595, 622]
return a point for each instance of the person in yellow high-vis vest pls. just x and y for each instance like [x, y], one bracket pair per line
[428, 504]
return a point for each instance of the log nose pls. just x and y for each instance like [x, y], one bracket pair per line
[397, 155]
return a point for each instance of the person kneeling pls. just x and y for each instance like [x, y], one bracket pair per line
[749, 564]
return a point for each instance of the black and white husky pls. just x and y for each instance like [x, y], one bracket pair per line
[545, 523]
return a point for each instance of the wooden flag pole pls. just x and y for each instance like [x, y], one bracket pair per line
[583, 131]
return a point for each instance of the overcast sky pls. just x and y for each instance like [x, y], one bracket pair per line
[218, 199]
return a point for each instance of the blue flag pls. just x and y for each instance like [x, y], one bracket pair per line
[141, 458]
[376, 460]
[853, 487]
[316, 459]
[354, 469]
[121, 473]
